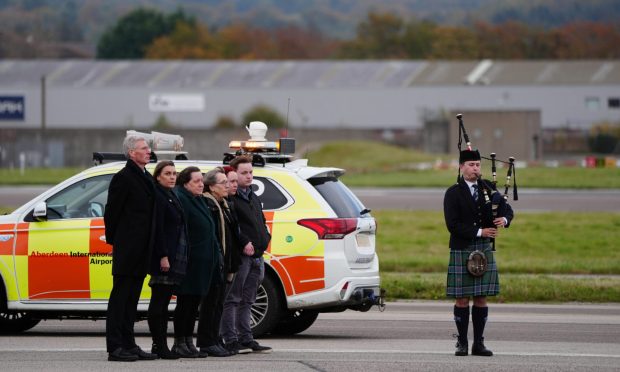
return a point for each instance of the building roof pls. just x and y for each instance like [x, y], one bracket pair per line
[306, 74]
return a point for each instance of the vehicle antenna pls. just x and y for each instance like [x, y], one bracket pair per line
[288, 107]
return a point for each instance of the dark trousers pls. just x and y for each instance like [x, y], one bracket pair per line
[121, 314]
[210, 318]
[185, 315]
[158, 312]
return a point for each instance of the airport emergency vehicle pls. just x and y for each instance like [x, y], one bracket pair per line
[55, 263]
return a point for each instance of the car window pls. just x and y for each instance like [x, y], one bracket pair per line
[83, 199]
[339, 197]
[271, 195]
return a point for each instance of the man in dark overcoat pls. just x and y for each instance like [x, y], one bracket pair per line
[129, 216]
[472, 226]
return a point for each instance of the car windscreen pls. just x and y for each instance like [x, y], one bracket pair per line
[339, 197]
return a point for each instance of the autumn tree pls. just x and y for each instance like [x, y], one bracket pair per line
[379, 36]
[132, 34]
[187, 41]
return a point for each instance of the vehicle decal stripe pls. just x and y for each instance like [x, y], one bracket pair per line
[57, 260]
[306, 275]
[100, 261]
[7, 239]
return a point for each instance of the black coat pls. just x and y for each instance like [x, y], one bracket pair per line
[464, 216]
[252, 223]
[169, 224]
[232, 256]
[129, 217]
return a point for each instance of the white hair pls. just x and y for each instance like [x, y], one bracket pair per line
[130, 143]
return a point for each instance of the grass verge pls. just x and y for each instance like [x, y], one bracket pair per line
[513, 287]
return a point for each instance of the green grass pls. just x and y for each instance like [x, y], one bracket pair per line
[536, 243]
[36, 176]
[373, 164]
[543, 257]
[513, 288]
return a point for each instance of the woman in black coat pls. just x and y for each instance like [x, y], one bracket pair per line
[169, 258]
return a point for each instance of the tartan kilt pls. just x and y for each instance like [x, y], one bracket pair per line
[461, 283]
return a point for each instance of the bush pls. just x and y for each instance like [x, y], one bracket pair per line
[266, 114]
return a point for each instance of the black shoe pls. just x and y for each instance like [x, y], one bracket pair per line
[163, 352]
[192, 348]
[461, 348]
[141, 354]
[120, 355]
[236, 348]
[216, 351]
[256, 348]
[478, 348]
[182, 351]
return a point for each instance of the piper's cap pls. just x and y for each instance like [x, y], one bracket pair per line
[469, 155]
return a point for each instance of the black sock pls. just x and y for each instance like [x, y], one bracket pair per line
[461, 318]
[479, 319]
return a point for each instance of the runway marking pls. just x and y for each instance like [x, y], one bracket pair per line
[347, 351]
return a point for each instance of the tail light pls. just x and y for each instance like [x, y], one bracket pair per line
[330, 228]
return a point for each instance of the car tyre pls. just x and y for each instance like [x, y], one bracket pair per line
[16, 322]
[267, 308]
[295, 321]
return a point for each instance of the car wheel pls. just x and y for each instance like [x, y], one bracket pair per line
[295, 321]
[267, 308]
[16, 322]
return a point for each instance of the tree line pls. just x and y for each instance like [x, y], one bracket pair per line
[149, 34]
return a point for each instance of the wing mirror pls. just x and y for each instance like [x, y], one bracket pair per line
[40, 212]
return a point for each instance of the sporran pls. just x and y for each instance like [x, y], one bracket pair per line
[477, 263]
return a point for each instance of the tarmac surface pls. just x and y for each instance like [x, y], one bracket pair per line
[407, 336]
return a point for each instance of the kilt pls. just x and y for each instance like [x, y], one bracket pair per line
[461, 283]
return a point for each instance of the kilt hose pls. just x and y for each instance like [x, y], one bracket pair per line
[461, 283]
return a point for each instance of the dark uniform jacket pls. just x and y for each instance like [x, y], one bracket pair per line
[128, 218]
[252, 223]
[464, 216]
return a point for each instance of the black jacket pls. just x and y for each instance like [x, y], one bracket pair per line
[232, 256]
[128, 218]
[169, 224]
[464, 216]
[252, 223]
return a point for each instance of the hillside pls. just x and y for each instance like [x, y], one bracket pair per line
[78, 24]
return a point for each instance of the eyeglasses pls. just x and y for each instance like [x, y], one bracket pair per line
[225, 182]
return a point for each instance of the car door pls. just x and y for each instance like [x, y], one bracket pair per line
[67, 257]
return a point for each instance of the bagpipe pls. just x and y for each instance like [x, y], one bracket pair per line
[477, 262]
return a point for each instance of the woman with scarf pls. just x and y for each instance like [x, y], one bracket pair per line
[215, 193]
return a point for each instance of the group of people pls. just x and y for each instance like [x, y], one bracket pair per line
[201, 238]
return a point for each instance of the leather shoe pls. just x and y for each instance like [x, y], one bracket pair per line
[461, 349]
[479, 349]
[182, 351]
[141, 354]
[215, 350]
[120, 355]
[163, 352]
